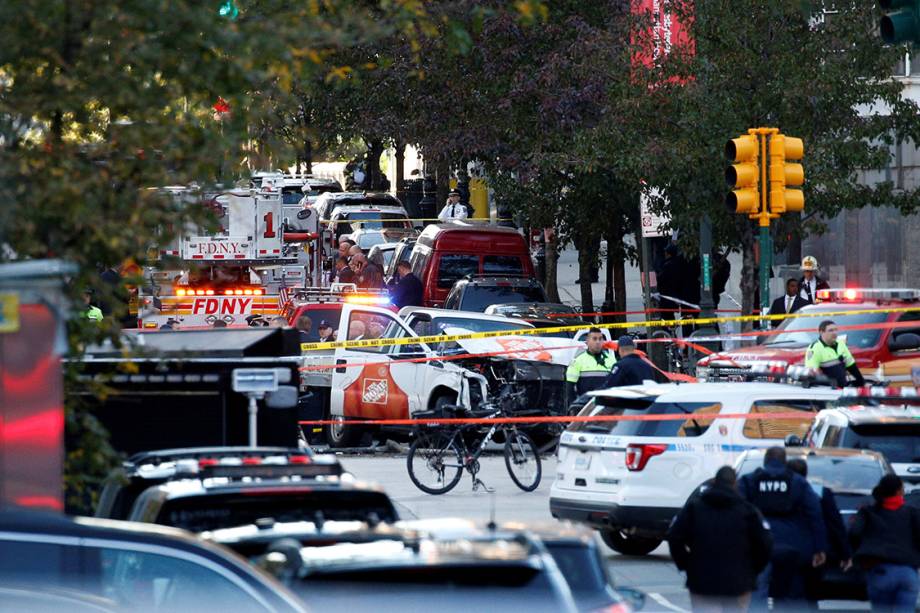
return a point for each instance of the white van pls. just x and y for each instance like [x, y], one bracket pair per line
[629, 478]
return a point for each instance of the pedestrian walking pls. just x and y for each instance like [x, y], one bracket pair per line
[722, 543]
[453, 210]
[832, 357]
[810, 282]
[631, 368]
[838, 544]
[790, 303]
[589, 370]
[886, 539]
[793, 511]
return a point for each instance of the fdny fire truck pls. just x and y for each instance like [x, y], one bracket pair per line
[241, 272]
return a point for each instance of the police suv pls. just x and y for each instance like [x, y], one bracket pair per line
[629, 478]
[886, 420]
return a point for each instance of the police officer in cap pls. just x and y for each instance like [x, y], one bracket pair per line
[793, 511]
[832, 357]
[588, 371]
[631, 369]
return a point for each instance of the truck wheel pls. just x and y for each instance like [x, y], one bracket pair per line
[629, 545]
[341, 435]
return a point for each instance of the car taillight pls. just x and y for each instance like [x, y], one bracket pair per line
[205, 462]
[251, 460]
[620, 607]
[637, 456]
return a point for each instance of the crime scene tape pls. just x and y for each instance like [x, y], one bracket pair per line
[660, 323]
[358, 222]
[561, 419]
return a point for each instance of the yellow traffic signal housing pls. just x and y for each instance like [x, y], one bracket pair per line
[743, 175]
[784, 174]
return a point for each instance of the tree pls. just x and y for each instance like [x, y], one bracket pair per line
[813, 70]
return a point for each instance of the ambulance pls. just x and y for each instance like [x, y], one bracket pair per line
[238, 274]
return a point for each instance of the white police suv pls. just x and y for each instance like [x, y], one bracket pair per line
[886, 420]
[629, 478]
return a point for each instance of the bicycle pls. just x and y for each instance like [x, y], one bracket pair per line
[443, 453]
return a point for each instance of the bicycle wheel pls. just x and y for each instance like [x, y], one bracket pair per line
[435, 463]
[522, 460]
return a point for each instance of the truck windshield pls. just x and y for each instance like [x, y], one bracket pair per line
[803, 331]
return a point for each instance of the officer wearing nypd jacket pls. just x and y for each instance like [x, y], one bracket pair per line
[793, 511]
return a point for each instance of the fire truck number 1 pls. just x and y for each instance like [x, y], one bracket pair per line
[269, 229]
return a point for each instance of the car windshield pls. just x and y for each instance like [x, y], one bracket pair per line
[316, 190]
[840, 474]
[898, 442]
[372, 220]
[479, 298]
[700, 417]
[366, 240]
[803, 331]
[228, 509]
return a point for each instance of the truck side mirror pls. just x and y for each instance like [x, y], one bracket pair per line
[906, 341]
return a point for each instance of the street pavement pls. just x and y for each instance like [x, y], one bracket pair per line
[654, 574]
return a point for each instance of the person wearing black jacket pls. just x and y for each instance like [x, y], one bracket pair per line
[631, 368]
[408, 290]
[886, 539]
[722, 542]
[790, 303]
[838, 544]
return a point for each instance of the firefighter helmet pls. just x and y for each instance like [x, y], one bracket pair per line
[809, 263]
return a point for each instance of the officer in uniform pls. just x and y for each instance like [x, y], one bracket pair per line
[831, 356]
[810, 282]
[92, 312]
[631, 369]
[589, 369]
[793, 511]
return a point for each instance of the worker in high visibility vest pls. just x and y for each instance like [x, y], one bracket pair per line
[589, 369]
[832, 357]
[92, 312]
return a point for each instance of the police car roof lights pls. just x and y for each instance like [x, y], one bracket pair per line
[862, 294]
[853, 395]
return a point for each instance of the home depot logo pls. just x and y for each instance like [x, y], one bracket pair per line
[375, 391]
[525, 348]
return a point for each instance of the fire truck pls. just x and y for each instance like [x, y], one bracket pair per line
[241, 272]
[885, 343]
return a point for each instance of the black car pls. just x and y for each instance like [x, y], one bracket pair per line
[209, 489]
[541, 315]
[478, 292]
[85, 564]
[850, 474]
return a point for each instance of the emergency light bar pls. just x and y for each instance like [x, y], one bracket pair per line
[227, 292]
[369, 300]
[862, 294]
[879, 392]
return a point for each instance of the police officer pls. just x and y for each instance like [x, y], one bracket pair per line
[631, 368]
[831, 356]
[588, 371]
[793, 511]
[92, 312]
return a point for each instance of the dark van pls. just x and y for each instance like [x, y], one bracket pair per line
[445, 253]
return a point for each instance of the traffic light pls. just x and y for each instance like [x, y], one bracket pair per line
[900, 21]
[743, 175]
[783, 174]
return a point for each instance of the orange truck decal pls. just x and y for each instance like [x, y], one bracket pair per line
[375, 395]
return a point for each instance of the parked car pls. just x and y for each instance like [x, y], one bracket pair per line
[208, 489]
[88, 564]
[890, 426]
[326, 203]
[478, 292]
[445, 253]
[628, 479]
[485, 572]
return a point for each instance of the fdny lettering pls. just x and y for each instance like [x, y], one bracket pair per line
[219, 248]
[773, 486]
[221, 306]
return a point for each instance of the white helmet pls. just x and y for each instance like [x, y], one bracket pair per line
[809, 263]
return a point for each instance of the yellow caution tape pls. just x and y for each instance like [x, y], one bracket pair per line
[447, 338]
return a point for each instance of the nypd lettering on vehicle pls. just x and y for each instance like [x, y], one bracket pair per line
[618, 443]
